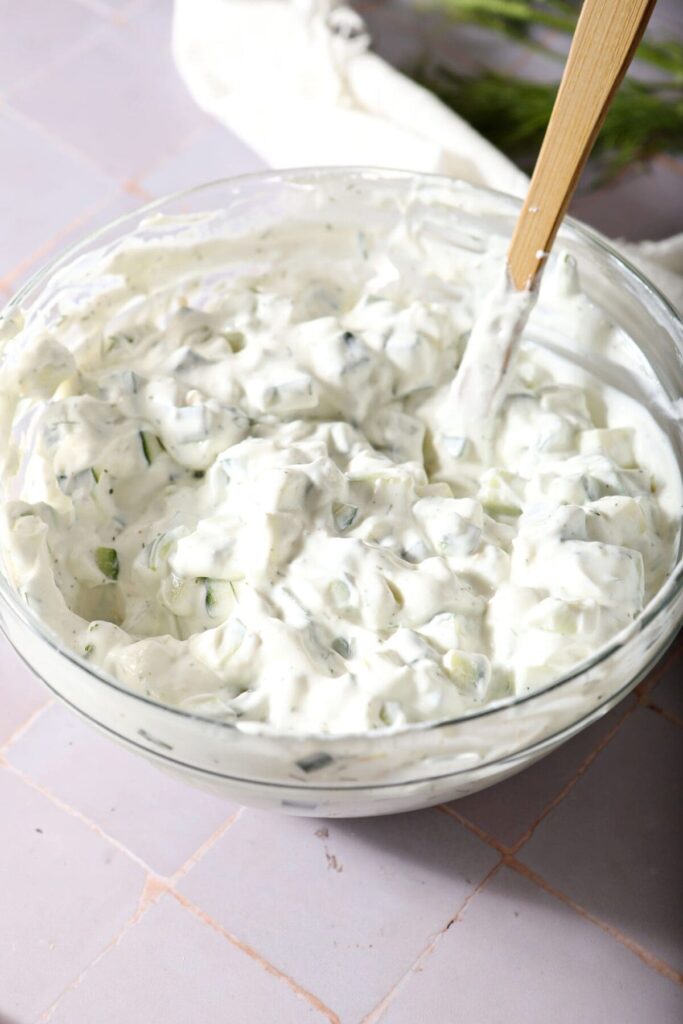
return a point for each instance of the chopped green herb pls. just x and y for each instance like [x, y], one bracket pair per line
[645, 119]
[220, 595]
[151, 446]
[117, 339]
[107, 562]
[494, 510]
[211, 597]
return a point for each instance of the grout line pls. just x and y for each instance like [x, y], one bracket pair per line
[132, 187]
[569, 786]
[377, 1013]
[668, 661]
[155, 886]
[152, 889]
[25, 725]
[66, 147]
[509, 850]
[8, 282]
[298, 990]
[670, 716]
[199, 853]
[649, 959]
[652, 679]
[169, 881]
[61, 57]
[509, 854]
[472, 827]
[103, 10]
[78, 815]
[510, 860]
[183, 142]
[157, 164]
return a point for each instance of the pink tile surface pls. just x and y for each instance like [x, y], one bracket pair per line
[508, 810]
[342, 907]
[64, 893]
[272, 919]
[114, 206]
[403, 37]
[162, 820]
[518, 954]
[668, 17]
[212, 154]
[640, 204]
[21, 694]
[615, 844]
[668, 693]
[120, 101]
[41, 33]
[45, 187]
[179, 970]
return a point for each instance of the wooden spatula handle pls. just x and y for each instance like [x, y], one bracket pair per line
[606, 37]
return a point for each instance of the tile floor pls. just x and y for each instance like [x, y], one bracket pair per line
[124, 895]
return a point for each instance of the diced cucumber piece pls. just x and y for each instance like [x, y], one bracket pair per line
[151, 446]
[158, 550]
[391, 713]
[342, 647]
[344, 516]
[107, 561]
[495, 509]
[179, 595]
[340, 594]
[220, 599]
[314, 762]
[498, 495]
[289, 396]
[212, 597]
[471, 673]
[455, 446]
[615, 442]
[69, 484]
[236, 340]
[190, 424]
[121, 382]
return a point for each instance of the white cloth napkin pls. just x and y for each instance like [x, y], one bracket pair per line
[298, 82]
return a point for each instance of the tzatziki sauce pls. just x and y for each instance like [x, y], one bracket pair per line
[252, 495]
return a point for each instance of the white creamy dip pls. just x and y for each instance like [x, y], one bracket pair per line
[249, 495]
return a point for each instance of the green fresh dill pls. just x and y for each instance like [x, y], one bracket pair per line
[646, 117]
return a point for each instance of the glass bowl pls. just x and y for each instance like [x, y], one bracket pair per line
[420, 765]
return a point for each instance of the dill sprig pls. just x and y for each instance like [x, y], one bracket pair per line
[646, 117]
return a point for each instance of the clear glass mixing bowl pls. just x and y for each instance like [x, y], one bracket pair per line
[424, 764]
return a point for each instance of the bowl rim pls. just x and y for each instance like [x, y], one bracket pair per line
[310, 175]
